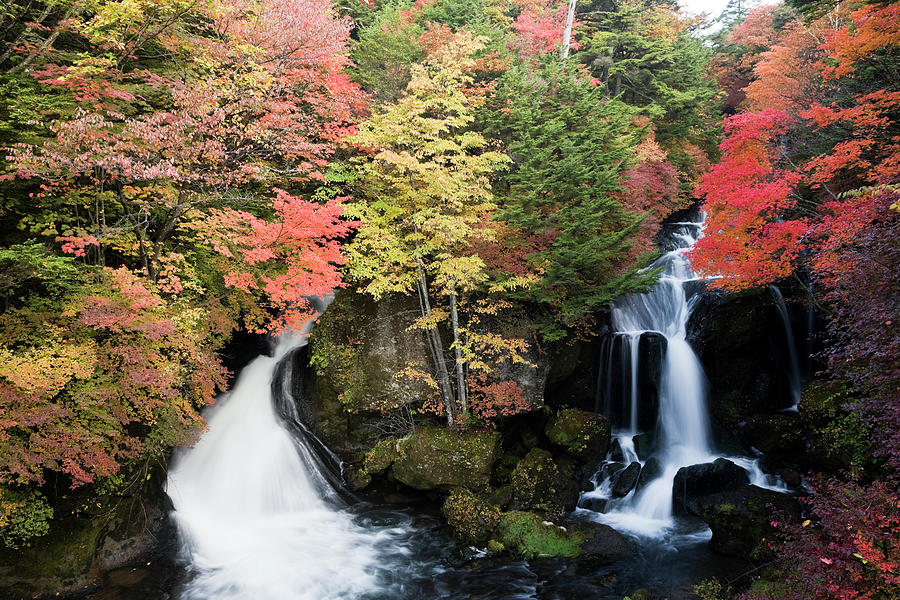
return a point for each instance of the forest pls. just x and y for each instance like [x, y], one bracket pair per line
[506, 199]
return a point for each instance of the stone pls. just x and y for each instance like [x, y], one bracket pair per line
[644, 445]
[538, 485]
[615, 451]
[696, 481]
[603, 545]
[581, 434]
[380, 457]
[652, 469]
[625, 480]
[472, 520]
[439, 458]
[740, 519]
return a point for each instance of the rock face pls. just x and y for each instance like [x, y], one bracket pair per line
[697, 481]
[77, 550]
[741, 519]
[580, 434]
[361, 352]
[438, 458]
[652, 469]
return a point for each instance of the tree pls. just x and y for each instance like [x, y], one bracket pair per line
[571, 147]
[423, 200]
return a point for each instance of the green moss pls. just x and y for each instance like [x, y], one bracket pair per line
[532, 537]
[582, 434]
[471, 519]
[436, 457]
[495, 547]
[380, 456]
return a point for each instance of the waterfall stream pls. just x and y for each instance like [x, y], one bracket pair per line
[794, 366]
[256, 512]
[682, 430]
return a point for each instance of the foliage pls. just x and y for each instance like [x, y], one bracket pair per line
[847, 549]
[471, 519]
[571, 146]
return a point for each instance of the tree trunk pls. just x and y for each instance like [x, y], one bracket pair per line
[457, 347]
[567, 32]
[437, 351]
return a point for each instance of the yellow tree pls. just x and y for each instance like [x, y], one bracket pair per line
[424, 199]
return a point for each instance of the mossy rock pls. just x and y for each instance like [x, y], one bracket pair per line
[740, 520]
[358, 350]
[439, 458]
[471, 519]
[531, 537]
[380, 457]
[535, 482]
[822, 401]
[581, 434]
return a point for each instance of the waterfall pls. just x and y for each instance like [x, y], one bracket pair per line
[256, 513]
[683, 427]
[794, 371]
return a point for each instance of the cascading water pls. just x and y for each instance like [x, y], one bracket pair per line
[256, 513]
[794, 371]
[683, 428]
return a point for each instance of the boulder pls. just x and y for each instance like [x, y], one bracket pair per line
[439, 458]
[644, 445]
[616, 454]
[652, 469]
[603, 545]
[538, 485]
[696, 481]
[380, 457]
[472, 520]
[781, 436]
[741, 519]
[579, 433]
[625, 480]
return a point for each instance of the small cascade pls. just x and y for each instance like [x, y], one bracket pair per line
[682, 433]
[257, 512]
[794, 367]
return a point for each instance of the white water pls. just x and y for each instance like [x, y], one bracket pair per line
[256, 517]
[683, 424]
[794, 370]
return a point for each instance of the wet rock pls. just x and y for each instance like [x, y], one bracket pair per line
[579, 433]
[502, 496]
[615, 451]
[472, 520]
[594, 504]
[652, 469]
[439, 458]
[603, 544]
[741, 519]
[652, 351]
[644, 445]
[696, 481]
[625, 480]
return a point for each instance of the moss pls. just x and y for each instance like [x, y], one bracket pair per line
[839, 438]
[582, 434]
[380, 457]
[471, 519]
[436, 457]
[532, 537]
[495, 547]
